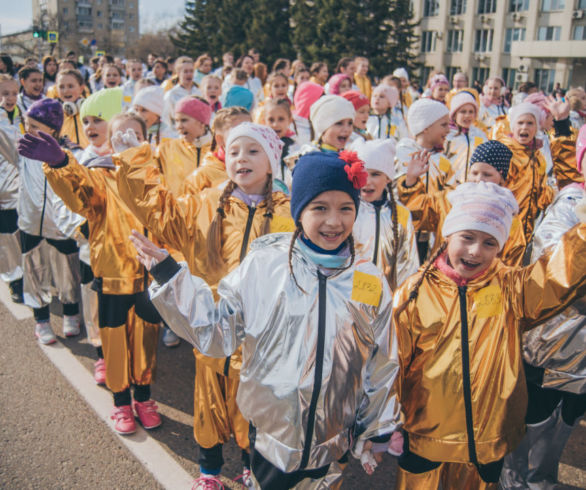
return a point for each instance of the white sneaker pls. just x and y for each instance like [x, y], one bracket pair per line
[71, 325]
[169, 338]
[44, 333]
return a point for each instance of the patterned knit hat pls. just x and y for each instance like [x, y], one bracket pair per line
[47, 111]
[495, 154]
[357, 98]
[336, 80]
[481, 206]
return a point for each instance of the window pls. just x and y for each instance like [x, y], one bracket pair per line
[451, 71]
[458, 7]
[551, 5]
[509, 76]
[84, 24]
[549, 33]
[117, 25]
[455, 41]
[518, 5]
[130, 16]
[581, 4]
[65, 10]
[100, 26]
[545, 79]
[430, 8]
[117, 3]
[511, 35]
[427, 41]
[425, 71]
[486, 6]
[483, 41]
[99, 13]
[117, 15]
[131, 29]
[84, 11]
[480, 75]
[579, 33]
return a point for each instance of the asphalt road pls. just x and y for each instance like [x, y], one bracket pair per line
[52, 437]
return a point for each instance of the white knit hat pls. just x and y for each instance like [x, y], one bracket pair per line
[481, 206]
[265, 136]
[461, 99]
[151, 98]
[523, 108]
[401, 73]
[327, 111]
[391, 93]
[377, 155]
[423, 113]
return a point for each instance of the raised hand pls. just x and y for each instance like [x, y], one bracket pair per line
[149, 254]
[558, 107]
[417, 167]
[123, 141]
[43, 147]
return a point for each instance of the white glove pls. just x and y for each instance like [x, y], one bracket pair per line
[123, 141]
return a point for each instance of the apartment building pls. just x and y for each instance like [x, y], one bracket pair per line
[87, 26]
[539, 40]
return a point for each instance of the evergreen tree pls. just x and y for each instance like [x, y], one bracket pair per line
[404, 42]
[304, 20]
[233, 16]
[197, 31]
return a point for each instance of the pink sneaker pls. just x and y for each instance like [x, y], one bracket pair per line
[207, 482]
[147, 414]
[100, 372]
[246, 478]
[124, 420]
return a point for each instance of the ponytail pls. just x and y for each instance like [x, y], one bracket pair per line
[214, 239]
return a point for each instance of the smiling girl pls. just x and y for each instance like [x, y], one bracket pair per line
[70, 91]
[332, 120]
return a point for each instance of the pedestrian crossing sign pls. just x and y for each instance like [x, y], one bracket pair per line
[52, 36]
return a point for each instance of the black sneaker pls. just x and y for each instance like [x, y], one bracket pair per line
[16, 291]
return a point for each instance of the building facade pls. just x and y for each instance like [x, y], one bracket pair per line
[87, 26]
[543, 41]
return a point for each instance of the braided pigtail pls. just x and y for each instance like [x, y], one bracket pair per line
[415, 291]
[395, 217]
[214, 240]
[268, 197]
[296, 234]
[352, 248]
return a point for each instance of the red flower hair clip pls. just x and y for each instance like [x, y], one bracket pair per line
[354, 168]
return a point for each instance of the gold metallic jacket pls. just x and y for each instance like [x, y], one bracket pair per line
[558, 346]
[73, 129]
[527, 180]
[93, 194]
[429, 211]
[373, 234]
[178, 158]
[211, 173]
[463, 388]
[563, 151]
[459, 148]
[318, 368]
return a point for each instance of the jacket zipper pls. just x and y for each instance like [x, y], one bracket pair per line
[251, 211]
[467, 157]
[466, 375]
[376, 235]
[198, 156]
[319, 364]
[43, 210]
[76, 130]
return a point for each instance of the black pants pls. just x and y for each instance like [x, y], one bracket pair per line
[113, 308]
[211, 459]
[8, 221]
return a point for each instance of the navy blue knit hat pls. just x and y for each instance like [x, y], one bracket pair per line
[495, 154]
[318, 172]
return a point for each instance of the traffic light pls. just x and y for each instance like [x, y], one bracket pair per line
[39, 33]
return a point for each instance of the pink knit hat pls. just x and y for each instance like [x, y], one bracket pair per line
[461, 99]
[335, 82]
[391, 93]
[438, 79]
[305, 95]
[580, 147]
[538, 99]
[195, 108]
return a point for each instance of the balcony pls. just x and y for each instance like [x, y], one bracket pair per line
[549, 49]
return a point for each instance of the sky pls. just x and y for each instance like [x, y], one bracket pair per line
[154, 15]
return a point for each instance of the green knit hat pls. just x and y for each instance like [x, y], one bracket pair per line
[104, 104]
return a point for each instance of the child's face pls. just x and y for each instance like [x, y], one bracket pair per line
[302, 77]
[150, 118]
[51, 67]
[466, 115]
[124, 125]
[483, 172]
[33, 85]
[492, 89]
[380, 103]
[279, 88]
[212, 91]
[471, 252]
[278, 120]
[185, 74]
[362, 67]
[328, 219]
[323, 74]
[68, 88]
[111, 77]
[206, 66]
[440, 91]
[188, 127]
[338, 134]
[376, 183]
[248, 165]
[95, 129]
[135, 71]
[221, 134]
[8, 94]
[525, 129]
[361, 117]
[435, 135]
[345, 86]
[33, 127]
[159, 70]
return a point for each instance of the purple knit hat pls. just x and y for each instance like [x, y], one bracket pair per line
[47, 111]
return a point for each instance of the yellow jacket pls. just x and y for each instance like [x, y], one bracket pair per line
[178, 158]
[211, 173]
[93, 193]
[364, 84]
[183, 222]
[73, 129]
[563, 152]
[527, 180]
[462, 384]
[429, 211]
[501, 128]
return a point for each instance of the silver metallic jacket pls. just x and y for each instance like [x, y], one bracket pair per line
[373, 234]
[9, 183]
[558, 346]
[318, 368]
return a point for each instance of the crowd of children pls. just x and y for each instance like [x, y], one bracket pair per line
[359, 269]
